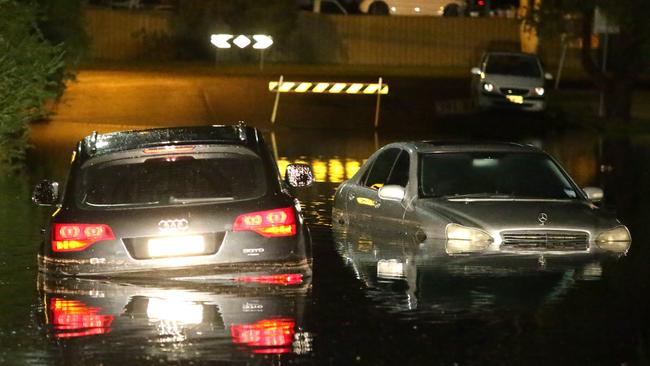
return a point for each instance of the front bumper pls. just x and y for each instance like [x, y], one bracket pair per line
[527, 103]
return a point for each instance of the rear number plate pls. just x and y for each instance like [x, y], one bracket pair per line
[176, 246]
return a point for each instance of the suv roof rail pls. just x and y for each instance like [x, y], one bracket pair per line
[241, 127]
[93, 141]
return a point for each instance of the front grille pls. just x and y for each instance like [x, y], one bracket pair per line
[545, 240]
[514, 91]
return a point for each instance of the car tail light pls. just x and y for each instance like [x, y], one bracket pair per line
[272, 223]
[77, 237]
[283, 279]
[276, 333]
[72, 318]
[168, 149]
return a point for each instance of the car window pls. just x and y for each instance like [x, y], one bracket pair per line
[524, 175]
[169, 180]
[517, 65]
[400, 173]
[381, 168]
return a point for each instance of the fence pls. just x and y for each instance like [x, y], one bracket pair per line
[123, 34]
[333, 39]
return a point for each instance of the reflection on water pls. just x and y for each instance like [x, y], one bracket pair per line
[333, 156]
[333, 170]
[404, 275]
[181, 320]
[373, 300]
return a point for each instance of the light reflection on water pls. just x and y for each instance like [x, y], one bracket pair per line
[561, 306]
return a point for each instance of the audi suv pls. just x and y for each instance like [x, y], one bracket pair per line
[175, 201]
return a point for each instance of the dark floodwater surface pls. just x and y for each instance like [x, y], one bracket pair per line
[349, 312]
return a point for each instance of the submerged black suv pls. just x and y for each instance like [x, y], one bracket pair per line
[177, 201]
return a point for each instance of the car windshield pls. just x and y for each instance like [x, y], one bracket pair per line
[172, 180]
[493, 175]
[516, 65]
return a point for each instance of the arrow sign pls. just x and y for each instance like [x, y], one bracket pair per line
[221, 40]
[241, 41]
[262, 41]
[259, 41]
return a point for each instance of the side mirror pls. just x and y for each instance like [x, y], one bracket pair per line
[548, 76]
[476, 71]
[46, 193]
[392, 193]
[299, 175]
[594, 194]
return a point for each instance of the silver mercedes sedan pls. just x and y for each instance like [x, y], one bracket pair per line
[503, 199]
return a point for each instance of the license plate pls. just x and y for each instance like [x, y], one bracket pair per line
[390, 269]
[517, 99]
[176, 246]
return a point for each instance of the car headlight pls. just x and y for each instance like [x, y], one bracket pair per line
[616, 240]
[488, 87]
[463, 239]
[539, 91]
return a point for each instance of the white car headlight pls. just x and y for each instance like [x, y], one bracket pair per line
[616, 240]
[463, 239]
[539, 91]
[488, 87]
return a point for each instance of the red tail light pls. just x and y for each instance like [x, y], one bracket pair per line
[77, 237]
[272, 223]
[276, 333]
[283, 279]
[72, 318]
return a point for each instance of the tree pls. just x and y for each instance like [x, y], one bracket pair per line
[30, 74]
[628, 51]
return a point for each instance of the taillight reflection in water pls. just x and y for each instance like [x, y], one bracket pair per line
[282, 279]
[267, 336]
[72, 318]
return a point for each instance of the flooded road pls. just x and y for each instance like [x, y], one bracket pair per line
[353, 310]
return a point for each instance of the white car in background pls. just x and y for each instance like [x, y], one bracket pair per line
[413, 7]
[509, 80]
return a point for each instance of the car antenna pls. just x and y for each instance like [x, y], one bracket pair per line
[241, 127]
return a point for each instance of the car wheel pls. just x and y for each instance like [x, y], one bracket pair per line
[451, 10]
[378, 8]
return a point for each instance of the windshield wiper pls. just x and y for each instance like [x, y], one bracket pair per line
[199, 199]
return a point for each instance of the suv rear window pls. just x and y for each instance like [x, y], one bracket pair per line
[172, 180]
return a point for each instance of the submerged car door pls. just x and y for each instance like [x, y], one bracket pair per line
[363, 199]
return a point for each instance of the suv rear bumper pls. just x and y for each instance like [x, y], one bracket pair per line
[83, 268]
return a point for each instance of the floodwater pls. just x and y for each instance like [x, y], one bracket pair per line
[347, 313]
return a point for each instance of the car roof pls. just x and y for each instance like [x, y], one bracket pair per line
[100, 144]
[429, 146]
